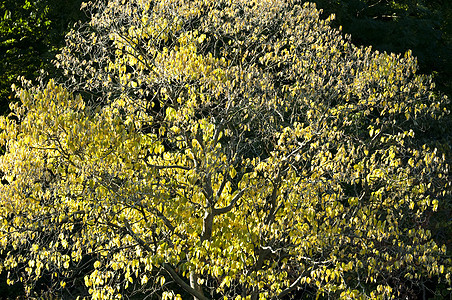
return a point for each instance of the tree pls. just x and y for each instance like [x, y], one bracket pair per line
[425, 28]
[31, 33]
[238, 149]
[396, 26]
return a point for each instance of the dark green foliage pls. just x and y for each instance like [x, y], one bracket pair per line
[422, 26]
[31, 32]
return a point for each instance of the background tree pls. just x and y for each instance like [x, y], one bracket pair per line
[238, 149]
[31, 33]
[396, 26]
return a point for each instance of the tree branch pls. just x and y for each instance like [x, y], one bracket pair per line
[223, 184]
[292, 287]
[168, 167]
[182, 283]
[219, 211]
[165, 265]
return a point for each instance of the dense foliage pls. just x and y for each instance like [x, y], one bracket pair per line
[31, 32]
[238, 149]
[424, 26]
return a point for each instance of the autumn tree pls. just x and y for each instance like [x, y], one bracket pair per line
[229, 149]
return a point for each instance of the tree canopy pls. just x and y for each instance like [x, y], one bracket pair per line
[31, 32]
[229, 149]
[423, 26]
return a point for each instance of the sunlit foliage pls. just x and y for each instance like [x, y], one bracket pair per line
[239, 149]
